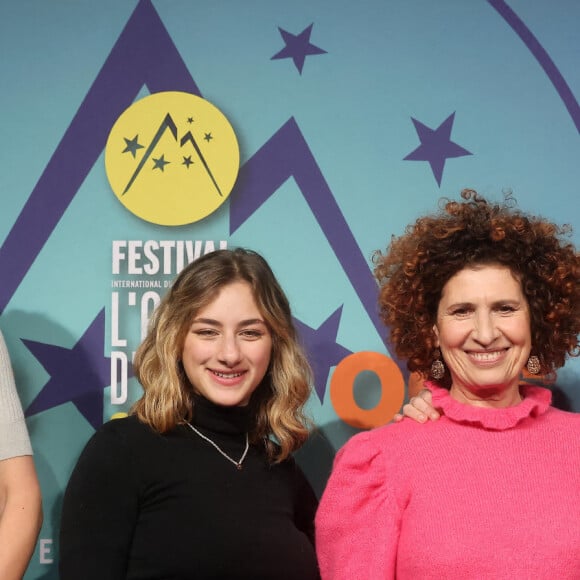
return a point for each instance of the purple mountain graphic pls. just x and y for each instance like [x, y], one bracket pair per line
[144, 55]
[286, 154]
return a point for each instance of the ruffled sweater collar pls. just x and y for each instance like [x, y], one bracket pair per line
[536, 401]
[219, 419]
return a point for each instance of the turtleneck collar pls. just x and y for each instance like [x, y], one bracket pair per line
[220, 419]
[536, 401]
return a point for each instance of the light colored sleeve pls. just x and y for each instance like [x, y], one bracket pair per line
[358, 520]
[20, 496]
[14, 439]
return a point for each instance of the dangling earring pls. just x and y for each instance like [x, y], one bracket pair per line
[533, 365]
[437, 367]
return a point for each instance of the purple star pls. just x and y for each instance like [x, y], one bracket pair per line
[78, 375]
[436, 146]
[323, 350]
[298, 47]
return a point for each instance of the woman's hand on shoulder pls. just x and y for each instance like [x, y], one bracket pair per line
[419, 408]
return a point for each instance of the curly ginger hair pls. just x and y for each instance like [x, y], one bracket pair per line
[416, 266]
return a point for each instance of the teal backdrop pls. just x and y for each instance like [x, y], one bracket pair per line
[352, 118]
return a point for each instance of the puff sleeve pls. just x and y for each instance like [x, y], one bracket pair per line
[358, 520]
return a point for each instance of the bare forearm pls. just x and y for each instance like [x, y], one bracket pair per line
[21, 515]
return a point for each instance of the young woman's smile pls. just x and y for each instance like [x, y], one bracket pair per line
[228, 347]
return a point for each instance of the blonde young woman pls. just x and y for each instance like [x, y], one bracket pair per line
[199, 481]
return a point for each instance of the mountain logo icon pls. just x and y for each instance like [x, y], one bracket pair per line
[172, 158]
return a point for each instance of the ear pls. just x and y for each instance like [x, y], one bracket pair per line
[436, 334]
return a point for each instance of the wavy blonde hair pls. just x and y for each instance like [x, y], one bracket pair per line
[280, 398]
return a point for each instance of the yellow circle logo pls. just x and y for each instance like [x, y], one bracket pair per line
[172, 158]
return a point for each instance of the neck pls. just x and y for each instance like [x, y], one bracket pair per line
[490, 398]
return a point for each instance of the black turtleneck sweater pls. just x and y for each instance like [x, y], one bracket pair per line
[145, 506]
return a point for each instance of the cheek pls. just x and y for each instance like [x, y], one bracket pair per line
[195, 351]
[450, 336]
[522, 334]
[446, 336]
[264, 355]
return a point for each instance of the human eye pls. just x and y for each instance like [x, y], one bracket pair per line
[461, 311]
[506, 308]
[205, 332]
[252, 333]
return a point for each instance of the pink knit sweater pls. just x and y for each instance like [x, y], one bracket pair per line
[478, 494]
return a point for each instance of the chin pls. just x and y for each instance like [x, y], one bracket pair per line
[230, 400]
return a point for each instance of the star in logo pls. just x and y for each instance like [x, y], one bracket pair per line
[323, 350]
[132, 145]
[436, 146]
[160, 163]
[208, 137]
[187, 161]
[78, 374]
[298, 47]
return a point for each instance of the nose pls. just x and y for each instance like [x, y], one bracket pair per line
[229, 353]
[485, 330]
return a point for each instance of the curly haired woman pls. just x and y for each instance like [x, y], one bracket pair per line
[472, 295]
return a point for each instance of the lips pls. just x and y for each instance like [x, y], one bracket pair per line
[229, 375]
[487, 356]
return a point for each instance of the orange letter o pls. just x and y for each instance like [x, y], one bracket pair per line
[342, 389]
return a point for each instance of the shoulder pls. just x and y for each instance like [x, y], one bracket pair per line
[290, 468]
[8, 395]
[126, 433]
[119, 446]
[403, 433]
[394, 450]
[299, 482]
[14, 439]
[124, 428]
[368, 447]
[564, 418]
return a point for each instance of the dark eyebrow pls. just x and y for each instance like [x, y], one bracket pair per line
[508, 301]
[213, 322]
[460, 305]
[495, 304]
